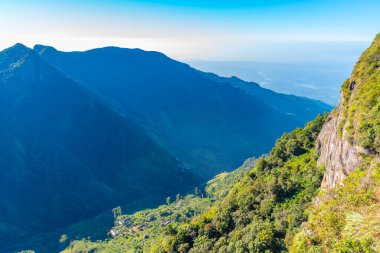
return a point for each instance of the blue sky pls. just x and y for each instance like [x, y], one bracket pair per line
[236, 30]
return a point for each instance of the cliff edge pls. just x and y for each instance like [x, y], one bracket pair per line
[352, 130]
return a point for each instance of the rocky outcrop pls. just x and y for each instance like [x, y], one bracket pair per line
[337, 155]
[348, 147]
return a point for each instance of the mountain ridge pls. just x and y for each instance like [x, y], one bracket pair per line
[58, 141]
[274, 99]
[176, 104]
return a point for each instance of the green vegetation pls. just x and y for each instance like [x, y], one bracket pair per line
[147, 230]
[218, 187]
[348, 219]
[132, 233]
[248, 210]
[361, 100]
[263, 211]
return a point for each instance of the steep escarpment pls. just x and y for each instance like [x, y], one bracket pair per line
[337, 154]
[345, 216]
[353, 129]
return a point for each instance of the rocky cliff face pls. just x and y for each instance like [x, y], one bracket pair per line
[352, 130]
[337, 154]
[345, 215]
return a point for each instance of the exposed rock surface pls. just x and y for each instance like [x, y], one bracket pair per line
[345, 212]
[351, 130]
[337, 154]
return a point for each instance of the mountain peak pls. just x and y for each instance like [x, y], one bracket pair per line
[18, 46]
[40, 49]
[15, 49]
[19, 58]
[14, 56]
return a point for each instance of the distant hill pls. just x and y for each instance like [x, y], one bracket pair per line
[313, 79]
[65, 156]
[301, 109]
[210, 123]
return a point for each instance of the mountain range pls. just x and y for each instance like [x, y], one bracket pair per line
[59, 140]
[209, 122]
[83, 132]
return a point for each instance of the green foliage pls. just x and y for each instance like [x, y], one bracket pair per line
[168, 201]
[347, 220]
[151, 230]
[262, 211]
[361, 100]
[218, 187]
[141, 230]
[177, 198]
[353, 246]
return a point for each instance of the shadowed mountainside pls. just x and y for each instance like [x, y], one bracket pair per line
[65, 156]
[209, 124]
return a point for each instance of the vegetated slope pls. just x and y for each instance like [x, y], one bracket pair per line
[212, 126]
[345, 217]
[144, 231]
[64, 156]
[263, 211]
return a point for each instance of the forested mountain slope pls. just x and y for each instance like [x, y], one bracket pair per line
[264, 210]
[210, 125]
[65, 156]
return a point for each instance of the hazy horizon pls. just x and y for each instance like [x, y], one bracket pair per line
[270, 31]
[321, 81]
